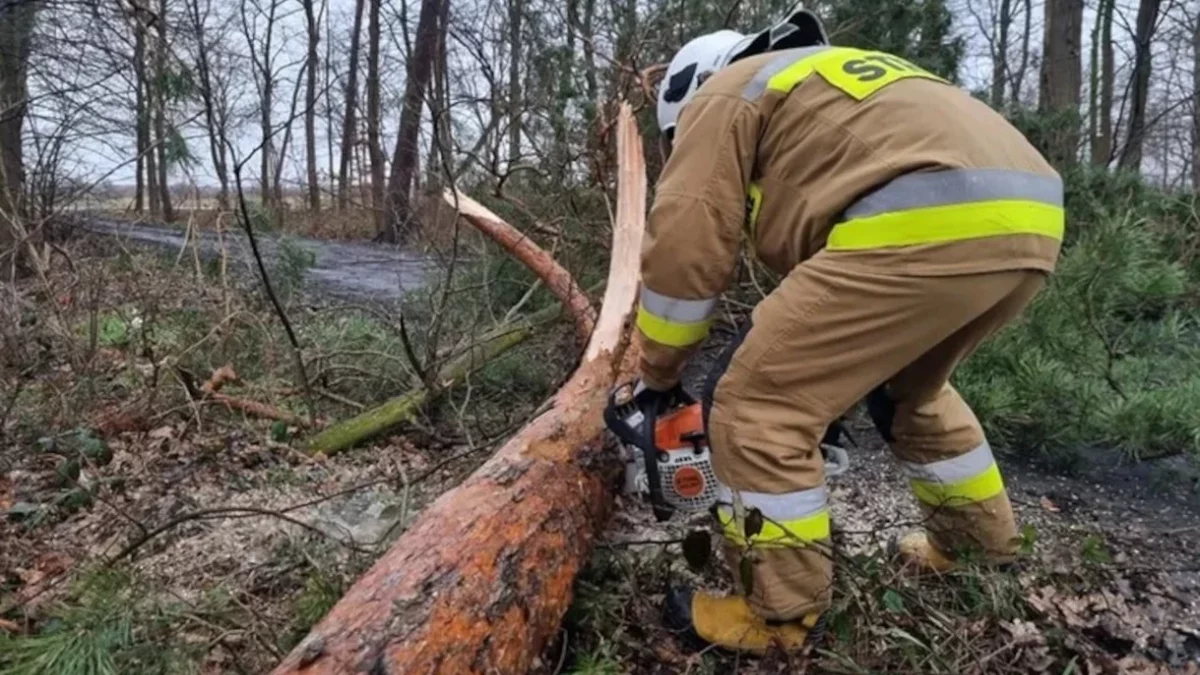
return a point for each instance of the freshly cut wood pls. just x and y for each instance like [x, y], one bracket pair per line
[404, 408]
[480, 582]
[555, 276]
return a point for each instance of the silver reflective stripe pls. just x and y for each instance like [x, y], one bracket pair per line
[957, 186]
[953, 470]
[758, 86]
[779, 507]
[675, 309]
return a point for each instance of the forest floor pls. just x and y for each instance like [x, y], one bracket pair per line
[131, 500]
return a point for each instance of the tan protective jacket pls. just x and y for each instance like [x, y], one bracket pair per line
[857, 154]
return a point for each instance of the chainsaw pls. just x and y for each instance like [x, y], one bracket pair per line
[666, 452]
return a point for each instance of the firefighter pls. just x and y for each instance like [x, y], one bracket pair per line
[908, 222]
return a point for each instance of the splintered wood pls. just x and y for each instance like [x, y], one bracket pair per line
[480, 582]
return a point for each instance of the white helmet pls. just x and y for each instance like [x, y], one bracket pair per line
[703, 56]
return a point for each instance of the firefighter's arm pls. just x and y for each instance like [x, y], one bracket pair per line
[694, 232]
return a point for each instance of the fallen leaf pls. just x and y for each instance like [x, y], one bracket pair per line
[6, 493]
[162, 433]
[9, 626]
[1049, 505]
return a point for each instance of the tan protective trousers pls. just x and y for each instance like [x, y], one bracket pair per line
[831, 333]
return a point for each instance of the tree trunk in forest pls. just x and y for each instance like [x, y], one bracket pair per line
[143, 118]
[1102, 154]
[1016, 82]
[212, 119]
[1131, 152]
[350, 119]
[1196, 102]
[374, 149]
[515, 109]
[266, 100]
[398, 227]
[1000, 58]
[16, 30]
[310, 108]
[481, 579]
[1061, 72]
[160, 112]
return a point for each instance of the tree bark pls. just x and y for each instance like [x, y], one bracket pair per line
[160, 113]
[397, 227]
[143, 119]
[16, 30]
[515, 109]
[1196, 102]
[349, 120]
[1061, 70]
[1000, 58]
[1131, 152]
[1104, 143]
[482, 578]
[310, 108]
[374, 149]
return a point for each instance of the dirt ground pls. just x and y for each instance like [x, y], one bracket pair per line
[250, 540]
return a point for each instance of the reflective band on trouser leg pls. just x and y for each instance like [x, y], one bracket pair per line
[674, 322]
[952, 205]
[966, 479]
[790, 519]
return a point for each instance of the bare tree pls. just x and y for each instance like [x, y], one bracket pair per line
[215, 118]
[16, 29]
[515, 108]
[159, 100]
[350, 119]
[374, 149]
[1061, 68]
[310, 106]
[404, 159]
[1101, 91]
[1147, 20]
[1196, 101]
[263, 63]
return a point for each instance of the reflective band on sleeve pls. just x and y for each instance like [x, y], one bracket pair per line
[940, 224]
[671, 333]
[958, 186]
[972, 477]
[790, 519]
[676, 309]
[758, 86]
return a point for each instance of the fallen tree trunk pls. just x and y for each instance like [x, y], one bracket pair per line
[480, 582]
[404, 408]
[555, 276]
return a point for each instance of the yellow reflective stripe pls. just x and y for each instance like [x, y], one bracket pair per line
[859, 73]
[955, 222]
[983, 486]
[671, 333]
[793, 533]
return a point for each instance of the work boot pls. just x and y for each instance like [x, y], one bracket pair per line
[917, 552]
[729, 623]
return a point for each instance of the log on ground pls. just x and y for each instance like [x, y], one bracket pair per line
[480, 582]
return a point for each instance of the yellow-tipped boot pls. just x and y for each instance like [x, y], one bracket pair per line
[729, 622]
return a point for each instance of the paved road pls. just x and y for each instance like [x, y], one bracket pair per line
[349, 270]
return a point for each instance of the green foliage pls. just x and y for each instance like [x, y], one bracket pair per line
[1103, 357]
[1055, 134]
[110, 626]
[290, 268]
[918, 31]
[321, 592]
